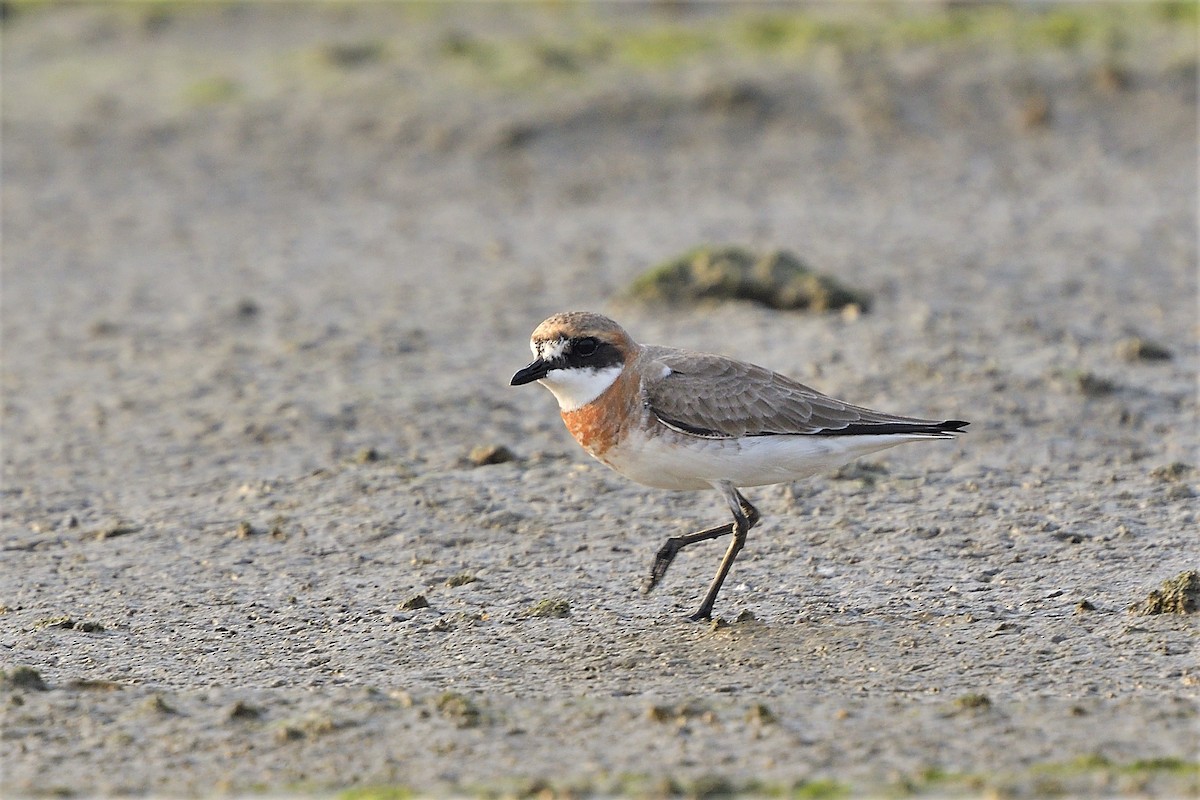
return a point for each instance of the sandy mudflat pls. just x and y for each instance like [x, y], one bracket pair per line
[267, 271]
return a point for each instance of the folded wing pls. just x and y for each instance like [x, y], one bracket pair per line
[717, 397]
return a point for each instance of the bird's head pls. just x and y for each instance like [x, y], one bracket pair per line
[577, 356]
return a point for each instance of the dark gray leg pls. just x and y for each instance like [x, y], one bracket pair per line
[671, 548]
[744, 518]
[668, 551]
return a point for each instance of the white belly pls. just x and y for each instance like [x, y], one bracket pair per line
[679, 462]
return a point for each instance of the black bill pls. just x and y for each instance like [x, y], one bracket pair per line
[535, 371]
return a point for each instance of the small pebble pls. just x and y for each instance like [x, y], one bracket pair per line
[490, 454]
[1170, 473]
[414, 602]
[243, 711]
[1137, 349]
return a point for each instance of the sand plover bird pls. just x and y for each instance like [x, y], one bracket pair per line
[676, 419]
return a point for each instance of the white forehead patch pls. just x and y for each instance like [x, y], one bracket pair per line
[548, 350]
[575, 388]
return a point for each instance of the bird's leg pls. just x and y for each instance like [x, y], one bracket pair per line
[671, 548]
[668, 551]
[745, 516]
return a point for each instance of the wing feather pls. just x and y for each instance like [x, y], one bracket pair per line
[717, 397]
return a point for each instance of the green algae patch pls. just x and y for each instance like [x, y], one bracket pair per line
[973, 702]
[790, 33]
[938, 782]
[550, 607]
[309, 726]
[1087, 775]
[643, 785]
[584, 43]
[459, 709]
[212, 91]
[1179, 595]
[1062, 777]
[23, 678]
[819, 789]
[665, 46]
[378, 793]
[778, 279]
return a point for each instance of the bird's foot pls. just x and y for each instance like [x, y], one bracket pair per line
[662, 561]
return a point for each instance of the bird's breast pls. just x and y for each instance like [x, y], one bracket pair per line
[603, 423]
[596, 430]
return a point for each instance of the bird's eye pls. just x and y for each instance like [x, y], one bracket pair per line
[585, 347]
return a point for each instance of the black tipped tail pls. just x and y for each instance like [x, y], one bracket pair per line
[938, 429]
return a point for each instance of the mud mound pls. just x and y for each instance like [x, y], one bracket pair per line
[1179, 595]
[778, 280]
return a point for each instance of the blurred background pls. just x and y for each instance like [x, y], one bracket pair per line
[405, 182]
[268, 267]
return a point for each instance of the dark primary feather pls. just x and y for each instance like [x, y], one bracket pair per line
[710, 395]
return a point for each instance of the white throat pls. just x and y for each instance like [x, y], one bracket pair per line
[575, 388]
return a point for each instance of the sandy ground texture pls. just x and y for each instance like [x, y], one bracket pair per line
[267, 271]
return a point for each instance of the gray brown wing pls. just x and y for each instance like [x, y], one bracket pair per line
[714, 396]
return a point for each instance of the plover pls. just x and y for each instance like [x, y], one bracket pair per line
[680, 420]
